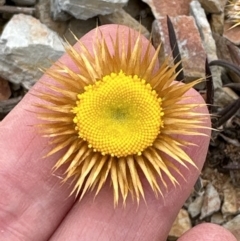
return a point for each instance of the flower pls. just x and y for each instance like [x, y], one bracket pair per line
[116, 116]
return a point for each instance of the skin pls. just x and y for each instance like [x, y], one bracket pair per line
[35, 205]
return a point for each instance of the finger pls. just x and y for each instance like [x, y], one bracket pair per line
[207, 231]
[32, 201]
[96, 219]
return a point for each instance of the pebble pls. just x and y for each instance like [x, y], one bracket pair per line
[181, 225]
[233, 226]
[195, 207]
[230, 93]
[211, 202]
[22, 54]
[231, 201]
[84, 9]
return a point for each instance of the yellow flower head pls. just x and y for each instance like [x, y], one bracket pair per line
[115, 115]
[119, 115]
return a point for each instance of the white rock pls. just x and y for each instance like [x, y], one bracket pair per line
[25, 2]
[194, 208]
[181, 225]
[211, 202]
[26, 45]
[233, 226]
[231, 203]
[84, 9]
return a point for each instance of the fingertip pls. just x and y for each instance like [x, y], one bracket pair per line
[207, 231]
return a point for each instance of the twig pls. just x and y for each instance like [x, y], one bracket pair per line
[14, 9]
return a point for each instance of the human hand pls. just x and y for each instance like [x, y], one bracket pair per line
[34, 205]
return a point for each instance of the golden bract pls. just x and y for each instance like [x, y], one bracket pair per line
[116, 115]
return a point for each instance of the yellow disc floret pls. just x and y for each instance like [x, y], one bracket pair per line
[119, 115]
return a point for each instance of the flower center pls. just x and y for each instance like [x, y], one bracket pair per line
[119, 115]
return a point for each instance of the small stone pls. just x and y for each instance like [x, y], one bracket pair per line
[26, 45]
[25, 2]
[213, 6]
[194, 208]
[217, 22]
[217, 218]
[170, 8]
[226, 50]
[233, 226]
[122, 17]
[189, 42]
[5, 91]
[211, 202]
[230, 93]
[44, 15]
[181, 225]
[231, 201]
[189, 200]
[85, 9]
